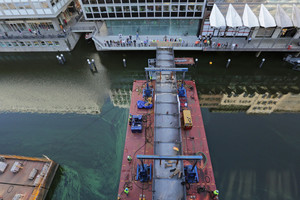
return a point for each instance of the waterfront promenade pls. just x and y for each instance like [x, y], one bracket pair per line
[190, 43]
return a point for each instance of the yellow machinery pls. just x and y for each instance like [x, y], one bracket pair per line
[187, 119]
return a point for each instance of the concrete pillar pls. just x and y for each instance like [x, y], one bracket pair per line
[55, 24]
[297, 35]
[276, 33]
[255, 31]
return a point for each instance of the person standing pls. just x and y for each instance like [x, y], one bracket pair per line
[249, 39]
[137, 35]
[126, 191]
[129, 158]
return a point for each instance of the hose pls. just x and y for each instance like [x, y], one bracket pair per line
[205, 162]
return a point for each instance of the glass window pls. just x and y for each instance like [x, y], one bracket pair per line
[36, 43]
[174, 8]
[43, 43]
[102, 9]
[182, 8]
[157, 8]
[49, 43]
[11, 6]
[22, 44]
[110, 9]
[3, 6]
[93, 1]
[118, 8]
[44, 5]
[56, 43]
[28, 43]
[15, 44]
[85, 1]
[28, 6]
[149, 8]
[190, 7]
[8, 44]
[198, 8]
[87, 9]
[2, 44]
[134, 8]
[166, 8]
[142, 8]
[126, 8]
[37, 5]
[95, 9]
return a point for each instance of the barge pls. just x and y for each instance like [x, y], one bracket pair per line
[166, 155]
[25, 178]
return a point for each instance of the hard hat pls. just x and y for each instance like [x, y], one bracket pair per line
[216, 192]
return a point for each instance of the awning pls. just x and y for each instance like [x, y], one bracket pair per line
[232, 17]
[265, 18]
[216, 18]
[249, 18]
[296, 16]
[282, 19]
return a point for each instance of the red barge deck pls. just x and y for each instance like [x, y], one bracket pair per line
[194, 142]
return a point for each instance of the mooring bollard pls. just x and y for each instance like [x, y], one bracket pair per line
[95, 68]
[63, 57]
[262, 62]
[60, 60]
[124, 62]
[90, 65]
[196, 62]
[228, 62]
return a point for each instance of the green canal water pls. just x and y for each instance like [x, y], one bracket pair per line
[46, 106]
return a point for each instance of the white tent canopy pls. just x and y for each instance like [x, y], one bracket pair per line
[282, 19]
[232, 17]
[216, 18]
[296, 16]
[265, 18]
[249, 18]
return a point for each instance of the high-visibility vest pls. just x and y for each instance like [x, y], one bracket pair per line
[126, 190]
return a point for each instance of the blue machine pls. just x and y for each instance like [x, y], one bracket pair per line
[182, 91]
[148, 92]
[136, 125]
[191, 174]
[144, 174]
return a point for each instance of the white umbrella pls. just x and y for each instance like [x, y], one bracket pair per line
[282, 19]
[296, 16]
[216, 18]
[266, 20]
[233, 20]
[249, 18]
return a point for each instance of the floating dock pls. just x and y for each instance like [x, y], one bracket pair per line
[172, 144]
[25, 178]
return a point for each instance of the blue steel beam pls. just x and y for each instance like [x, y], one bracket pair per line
[147, 69]
[155, 157]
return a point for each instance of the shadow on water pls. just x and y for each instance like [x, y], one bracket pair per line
[55, 182]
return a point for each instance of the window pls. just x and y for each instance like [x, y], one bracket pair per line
[166, 8]
[174, 8]
[2, 44]
[8, 44]
[182, 8]
[87, 9]
[15, 44]
[28, 43]
[36, 43]
[198, 8]
[49, 43]
[157, 8]
[44, 5]
[95, 9]
[150, 8]
[22, 44]
[134, 8]
[3, 6]
[11, 6]
[126, 8]
[102, 9]
[118, 9]
[43, 43]
[142, 8]
[110, 9]
[190, 7]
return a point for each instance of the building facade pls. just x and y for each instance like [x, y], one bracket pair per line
[37, 25]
